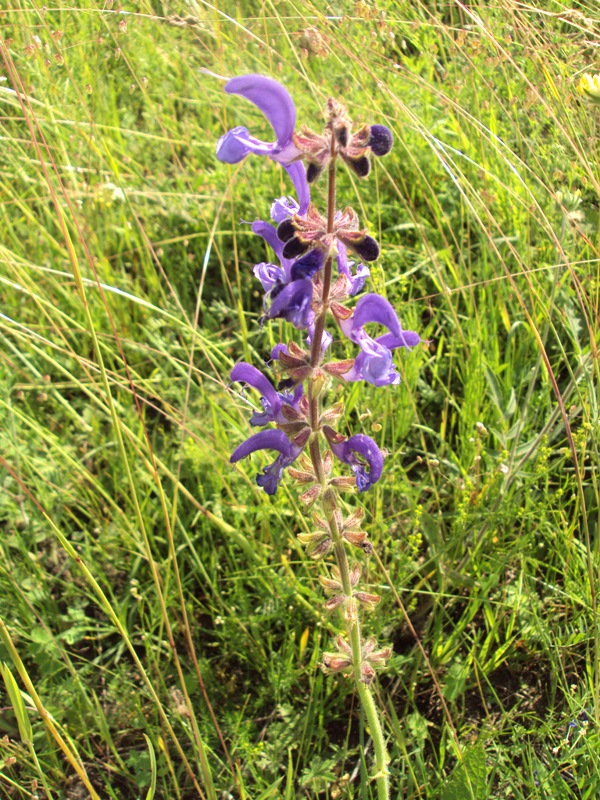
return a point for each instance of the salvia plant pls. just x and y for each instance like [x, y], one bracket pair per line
[312, 285]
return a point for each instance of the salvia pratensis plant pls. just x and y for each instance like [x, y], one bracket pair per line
[320, 266]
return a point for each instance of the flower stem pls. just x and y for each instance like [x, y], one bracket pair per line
[351, 620]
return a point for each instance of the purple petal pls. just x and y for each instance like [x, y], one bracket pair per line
[294, 304]
[283, 208]
[268, 232]
[374, 308]
[357, 281]
[265, 440]
[270, 399]
[279, 348]
[357, 450]
[374, 364]
[297, 172]
[269, 440]
[235, 145]
[342, 259]
[269, 275]
[326, 338]
[307, 265]
[406, 339]
[271, 98]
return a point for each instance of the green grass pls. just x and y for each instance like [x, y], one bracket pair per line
[162, 626]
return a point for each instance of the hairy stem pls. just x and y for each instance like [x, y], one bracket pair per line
[351, 620]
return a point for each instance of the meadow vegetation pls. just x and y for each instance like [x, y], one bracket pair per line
[160, 628]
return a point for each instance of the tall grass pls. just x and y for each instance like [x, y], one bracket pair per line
[160, 629]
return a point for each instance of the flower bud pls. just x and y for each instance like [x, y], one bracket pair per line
[341, 134]
[286, 230]
[380, 140]
[350, 612]
[334, 602]
[355, 538]
[368, 249]
[329, 502]
[360, 166]
[319, 550]
[343, 646]
[332, 414]
[302, 438]
[313, 171]
[329, 584]
[367, 673]
[345, 483]
[355, 573]
[355, 518]
[332, 436]
[309, 497]
[302, 477]
[380, 656]
[294, 247]
[337, 368]
[334, 662]
[367, 600]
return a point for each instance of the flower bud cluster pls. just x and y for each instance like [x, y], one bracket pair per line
[342, 659]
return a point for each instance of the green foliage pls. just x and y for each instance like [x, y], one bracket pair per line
[127, 295]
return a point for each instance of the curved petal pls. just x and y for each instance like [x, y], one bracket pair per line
[246, 373]
[364, 458]
[326, 337]
[375, 308]
[269, 440]
[265, 440]
[297, 172]
[268, 232]
[406, 339]
[279, 348]
[342, 260]
[271, 98]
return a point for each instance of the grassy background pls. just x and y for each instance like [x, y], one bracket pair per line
[160, 625]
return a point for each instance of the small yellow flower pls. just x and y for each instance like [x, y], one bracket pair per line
[589, 86]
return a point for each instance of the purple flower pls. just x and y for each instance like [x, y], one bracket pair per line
[326, 337]
[356, 281]
[293, 303]
[283, 208]
[364, 458]
[269, 275]
[275, 102]
[374, 364]
[272, 401]
[269, 440]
